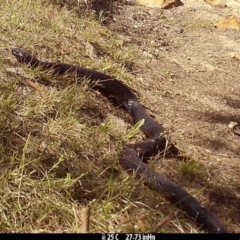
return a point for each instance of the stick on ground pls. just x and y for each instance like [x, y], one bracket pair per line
[85, 214]
[35, 85]
[163, 222]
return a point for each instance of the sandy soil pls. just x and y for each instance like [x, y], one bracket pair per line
[188, 76]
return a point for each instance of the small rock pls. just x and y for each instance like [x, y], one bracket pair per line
[161, 3]
[217, 3]
[228, 22]
[234, 55]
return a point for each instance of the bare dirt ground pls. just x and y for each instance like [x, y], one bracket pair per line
[187, 76]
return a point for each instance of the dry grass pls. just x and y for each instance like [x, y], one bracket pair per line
[58, 152]
[60, 140]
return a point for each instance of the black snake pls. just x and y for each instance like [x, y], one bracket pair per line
[130, 158]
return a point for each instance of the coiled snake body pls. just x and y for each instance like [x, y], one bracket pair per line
[130, 158]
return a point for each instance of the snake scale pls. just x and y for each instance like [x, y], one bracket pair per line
[131, 157]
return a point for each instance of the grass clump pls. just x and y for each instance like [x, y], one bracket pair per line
[191, 168]
[56, 156]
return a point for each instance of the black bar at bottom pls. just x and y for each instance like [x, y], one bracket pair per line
[142, 236]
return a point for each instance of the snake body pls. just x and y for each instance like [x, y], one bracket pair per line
[130, 157]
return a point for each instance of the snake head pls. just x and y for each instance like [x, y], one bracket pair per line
[24, 57]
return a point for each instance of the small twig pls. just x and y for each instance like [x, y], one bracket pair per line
[167, 137]
[36, 86]
[85, 215]
[163, 222]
